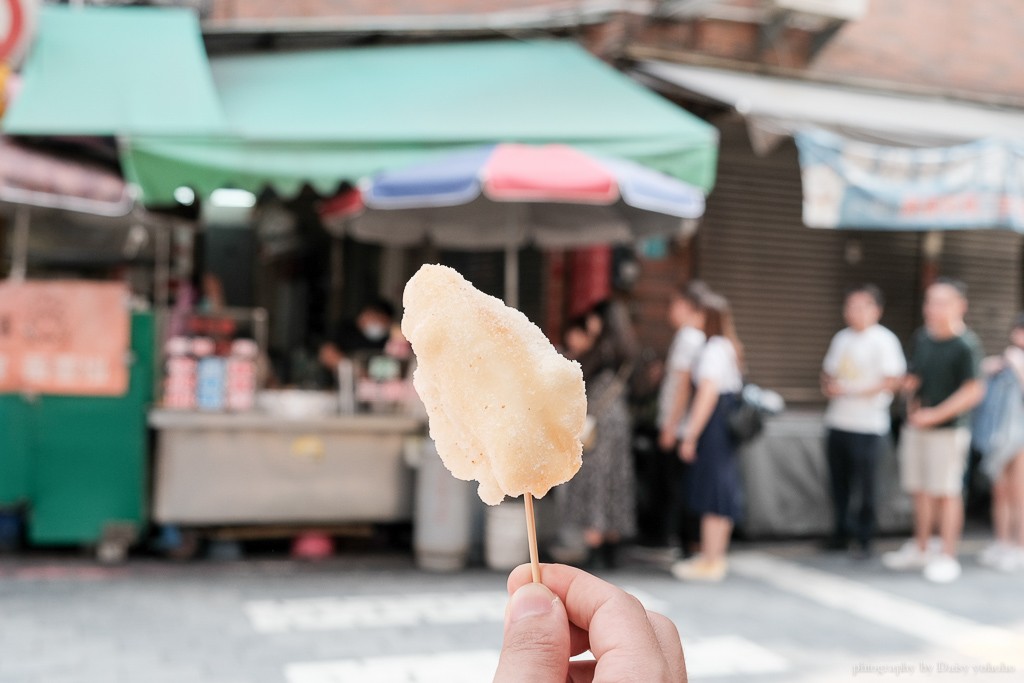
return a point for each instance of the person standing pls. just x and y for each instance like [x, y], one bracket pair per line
[1001, 434]
[862, 369]
[943, 386]
[714, 486]
[600, 499]
[686, 316]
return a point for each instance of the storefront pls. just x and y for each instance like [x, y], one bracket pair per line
[786, 280]
[281, 132]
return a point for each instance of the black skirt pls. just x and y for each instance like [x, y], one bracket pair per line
[714, 482]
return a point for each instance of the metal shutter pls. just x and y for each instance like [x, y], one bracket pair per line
[990, 263]
[786, 281]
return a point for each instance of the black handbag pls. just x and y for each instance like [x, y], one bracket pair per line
[747, 417]
[745, 421]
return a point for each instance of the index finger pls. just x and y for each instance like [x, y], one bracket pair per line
[616, 621]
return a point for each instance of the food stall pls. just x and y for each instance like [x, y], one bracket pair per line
[250, 456]
[264, 125]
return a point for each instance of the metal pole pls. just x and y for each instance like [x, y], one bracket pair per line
[19, 244]
[336, 292]
[162, 267]
[512, 276]
[511, 260]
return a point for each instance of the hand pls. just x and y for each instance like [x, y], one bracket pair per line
[573, 612]
[667, 438]
[924, 418]
[330, 356]
[992, 365]
[688, 450]
[831, 388]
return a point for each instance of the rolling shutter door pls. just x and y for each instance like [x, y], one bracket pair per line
[990, 263]
[786, 281]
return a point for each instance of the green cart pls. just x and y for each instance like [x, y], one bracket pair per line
[78, 466]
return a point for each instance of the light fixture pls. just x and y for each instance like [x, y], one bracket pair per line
[184, 196]
[233, 199]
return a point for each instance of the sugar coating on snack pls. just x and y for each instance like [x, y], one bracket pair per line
[505, 408]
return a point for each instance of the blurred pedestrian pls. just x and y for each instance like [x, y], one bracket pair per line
[862, 369]
[942, 388]
[1000, 418]
[600, 500]
[686, 316]
[714, 490]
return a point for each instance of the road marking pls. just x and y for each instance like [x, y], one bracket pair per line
[926, 623]
[729, 656]
[705, 658]
[375, 611]
[384, 611]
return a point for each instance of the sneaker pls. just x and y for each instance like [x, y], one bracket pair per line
[942, 569]
[909, 556]
[1010, 560]
[993, 553]
[861, 552]
[699, 569]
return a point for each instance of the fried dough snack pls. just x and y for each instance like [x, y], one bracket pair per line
[505, 408]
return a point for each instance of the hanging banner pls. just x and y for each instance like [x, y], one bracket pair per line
[851, 184]
[64, 337]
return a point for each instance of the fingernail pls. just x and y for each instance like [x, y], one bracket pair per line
[532, 600]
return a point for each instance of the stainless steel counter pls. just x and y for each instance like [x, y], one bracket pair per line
[365, 422]
[253, 468]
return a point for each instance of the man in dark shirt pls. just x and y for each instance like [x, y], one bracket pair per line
[943, 386]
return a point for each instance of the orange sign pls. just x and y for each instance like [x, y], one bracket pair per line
[64, 337]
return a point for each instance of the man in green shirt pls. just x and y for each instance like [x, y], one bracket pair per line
[943, 386]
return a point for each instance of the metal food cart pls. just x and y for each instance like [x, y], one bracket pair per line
[221, 469]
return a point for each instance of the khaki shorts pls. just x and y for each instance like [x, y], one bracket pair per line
[933, 460]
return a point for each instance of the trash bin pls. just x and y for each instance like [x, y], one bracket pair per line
[442, 515]
[506, 543]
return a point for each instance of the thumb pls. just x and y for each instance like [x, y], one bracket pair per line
[536, 646]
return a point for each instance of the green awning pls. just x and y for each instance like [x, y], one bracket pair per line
[116, 71]
[323, 117]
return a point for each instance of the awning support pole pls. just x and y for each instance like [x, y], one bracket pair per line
[511, 262]
[19, 246]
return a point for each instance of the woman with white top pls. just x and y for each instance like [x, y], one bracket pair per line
[715, 479]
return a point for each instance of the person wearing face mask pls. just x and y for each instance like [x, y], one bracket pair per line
[367, 334]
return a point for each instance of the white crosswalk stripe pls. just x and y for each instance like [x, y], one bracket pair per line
[384, 611]
[705, 658]
[931, 625]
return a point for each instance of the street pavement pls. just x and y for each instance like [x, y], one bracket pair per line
[786, 613]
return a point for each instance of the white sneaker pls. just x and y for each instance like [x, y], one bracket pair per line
[1010, 560]
[993, 553]
[942, 569]
[909, 556]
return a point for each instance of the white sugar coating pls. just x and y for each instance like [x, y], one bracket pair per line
[505, 408]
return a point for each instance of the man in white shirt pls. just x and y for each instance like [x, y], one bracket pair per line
[862, 369]
[686, 316]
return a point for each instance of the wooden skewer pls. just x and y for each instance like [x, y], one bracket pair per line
[531, 532]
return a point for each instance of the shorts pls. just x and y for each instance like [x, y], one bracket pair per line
[933, 460]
